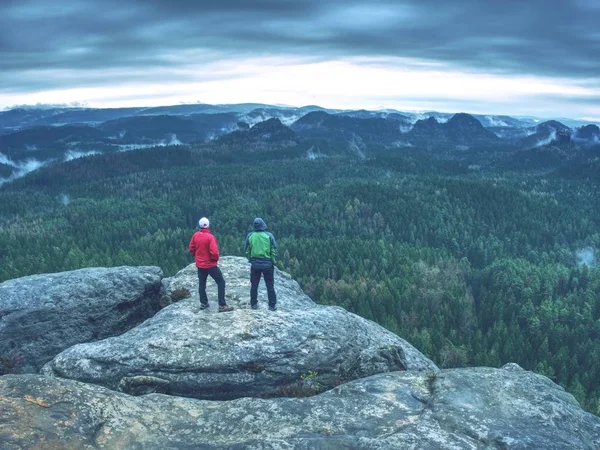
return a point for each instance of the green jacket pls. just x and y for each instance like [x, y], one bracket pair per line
[260, 247]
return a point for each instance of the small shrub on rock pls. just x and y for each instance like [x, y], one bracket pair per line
[9, 364]
[180, 294]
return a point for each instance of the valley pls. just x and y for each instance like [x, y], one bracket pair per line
[465, 243]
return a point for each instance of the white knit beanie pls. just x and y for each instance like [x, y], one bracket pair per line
[203, 223]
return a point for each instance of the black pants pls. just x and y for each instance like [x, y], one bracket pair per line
[269, 281]
[216, 275]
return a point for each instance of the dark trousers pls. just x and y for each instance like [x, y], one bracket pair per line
[216, 275]
[269, 281]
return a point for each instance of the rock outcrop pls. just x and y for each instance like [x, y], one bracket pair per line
[375, 390]
[461, 129]
[467, 130]
[367, 128]
[480, 408]
[589, 132]
[300, 349]
[42, 315]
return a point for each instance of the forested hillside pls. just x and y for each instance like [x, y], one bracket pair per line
[471, 269]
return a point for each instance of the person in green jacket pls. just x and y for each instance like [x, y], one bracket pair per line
[261, 251]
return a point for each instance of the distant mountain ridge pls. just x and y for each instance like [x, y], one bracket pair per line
[32, 138]
[21, 117]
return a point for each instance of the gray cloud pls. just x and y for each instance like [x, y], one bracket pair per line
[69, 43]
[574, 98]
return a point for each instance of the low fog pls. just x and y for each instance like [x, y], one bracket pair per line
[586, 257]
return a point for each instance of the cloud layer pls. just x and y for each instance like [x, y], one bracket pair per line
[76, 44]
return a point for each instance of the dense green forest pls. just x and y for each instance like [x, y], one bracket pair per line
[473, 267]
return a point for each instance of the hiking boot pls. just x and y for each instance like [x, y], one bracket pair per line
[225, 308]
[254, 306]
[272, 308]
[203, 305]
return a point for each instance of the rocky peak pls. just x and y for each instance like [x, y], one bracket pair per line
[312, 118]
[547, 133]
[465, 129]
[464, 121]
[272, 125]
[269, 135]
[245, 353]
[427, 130]
[347, 128]
[462, 129]
[426, 124]
[563, 136]
[590, 132]
[551, 125]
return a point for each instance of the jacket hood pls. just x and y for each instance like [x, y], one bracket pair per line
[259, 224]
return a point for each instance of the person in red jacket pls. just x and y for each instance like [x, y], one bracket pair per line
[205, 249]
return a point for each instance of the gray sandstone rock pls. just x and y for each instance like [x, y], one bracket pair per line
[299, 350]
[459, 409]
[42, 315]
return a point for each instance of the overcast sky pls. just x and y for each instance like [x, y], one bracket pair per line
[525, 57]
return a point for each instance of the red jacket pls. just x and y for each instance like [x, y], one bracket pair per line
[204, 247]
